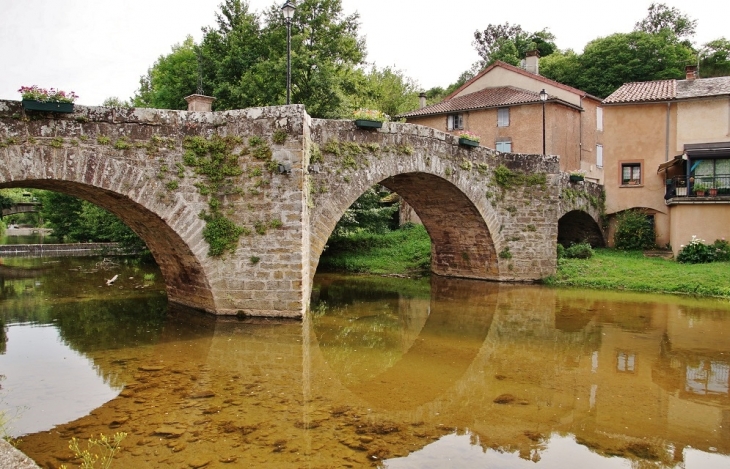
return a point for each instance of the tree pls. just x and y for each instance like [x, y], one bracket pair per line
[510, 43]
[326, 49]
[170, 79]
[388, 90]
[114, 101]
[243, 64]
[715, 58]
[75, 220]
[663, 18]
[563, 67]
[607, 63]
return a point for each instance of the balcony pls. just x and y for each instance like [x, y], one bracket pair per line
[699, 189]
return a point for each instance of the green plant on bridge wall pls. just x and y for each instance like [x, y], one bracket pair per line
[214, 161]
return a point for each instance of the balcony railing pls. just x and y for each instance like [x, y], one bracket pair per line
[699, 186]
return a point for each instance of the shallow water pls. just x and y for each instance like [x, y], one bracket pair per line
[384, 373]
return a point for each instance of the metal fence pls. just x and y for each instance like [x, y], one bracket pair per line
[699, 186]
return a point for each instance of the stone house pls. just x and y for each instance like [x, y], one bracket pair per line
[502, 105]
[667, 152]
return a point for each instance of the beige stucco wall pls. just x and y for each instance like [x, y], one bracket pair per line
[502, 77]
[636, 134]
[563, 132]
[703, 121]
[706, 221]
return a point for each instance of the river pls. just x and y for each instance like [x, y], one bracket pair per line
[389, 373]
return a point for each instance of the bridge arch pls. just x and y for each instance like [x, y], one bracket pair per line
[478, 228]
[185, 279]
[578, 226]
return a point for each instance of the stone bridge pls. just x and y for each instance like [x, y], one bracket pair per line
[188, 183]
[21, 207]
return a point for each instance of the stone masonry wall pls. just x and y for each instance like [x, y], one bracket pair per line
[478, 228]
[130, 162]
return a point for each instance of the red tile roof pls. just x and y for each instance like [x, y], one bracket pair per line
[523, 72]
[500, 96]
[644, 91]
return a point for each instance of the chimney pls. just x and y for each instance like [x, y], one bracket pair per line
[200, 103]
[532, 61]
[690, 72]
[422, 100]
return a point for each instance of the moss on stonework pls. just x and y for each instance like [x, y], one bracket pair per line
[508, 179]
[214, 161]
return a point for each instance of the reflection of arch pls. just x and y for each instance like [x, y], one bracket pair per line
[185, 279]
[578, 226]
[445, 348]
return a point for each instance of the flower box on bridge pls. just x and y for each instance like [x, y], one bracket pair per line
[49, 106]
[467, 142]
[368, 124]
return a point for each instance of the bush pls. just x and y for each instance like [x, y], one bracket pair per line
[722, 250]
[634, 231]
[561, 251]
[697, 252]
[579, 251]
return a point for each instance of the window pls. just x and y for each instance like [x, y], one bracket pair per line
[504, 144]
[599, 118]
[454, 121]
[631, 174]
[626, 362]
[503, 117]
[599, 156]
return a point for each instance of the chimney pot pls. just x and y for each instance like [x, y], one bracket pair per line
[690, 72]
[200, 103]
[422, 100]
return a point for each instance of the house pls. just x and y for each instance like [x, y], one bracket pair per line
[667, 152]
[502, 105]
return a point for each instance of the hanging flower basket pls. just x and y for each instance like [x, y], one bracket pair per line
[368, 124]
[33, 105]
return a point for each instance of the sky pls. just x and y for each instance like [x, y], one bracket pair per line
[100, 48]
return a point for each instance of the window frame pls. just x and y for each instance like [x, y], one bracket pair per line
[632, 163]
[503, 117]
[455, 121]
[503, 141]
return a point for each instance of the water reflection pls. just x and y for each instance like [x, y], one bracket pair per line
[396, 373]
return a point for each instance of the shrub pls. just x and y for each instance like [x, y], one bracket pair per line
[634, 231]
[579, 251]
[696, 252]
[722, 250]
[561, 251]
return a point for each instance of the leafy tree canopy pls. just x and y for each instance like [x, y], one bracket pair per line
[715, 58]
[509, 43]
[242, 60]
[661, 17]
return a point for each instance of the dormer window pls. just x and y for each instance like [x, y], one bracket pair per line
[454, 121]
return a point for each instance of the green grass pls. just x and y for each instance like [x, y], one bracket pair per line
[406, 251]
[610, 269]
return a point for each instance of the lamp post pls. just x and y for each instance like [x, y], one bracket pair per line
[543, 98]
[288, 10]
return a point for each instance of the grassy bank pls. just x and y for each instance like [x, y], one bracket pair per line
[610, 269]
[406, 251]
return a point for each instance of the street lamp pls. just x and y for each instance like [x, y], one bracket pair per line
[543, 98]
[288, 10]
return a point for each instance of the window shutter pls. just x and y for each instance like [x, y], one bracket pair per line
[449, 122]
[599, 156]
[599, 118]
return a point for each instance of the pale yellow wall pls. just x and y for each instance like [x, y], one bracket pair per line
[703, 121]
[591, 136]
[502, 77]
[636, 133]
[706, 221]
